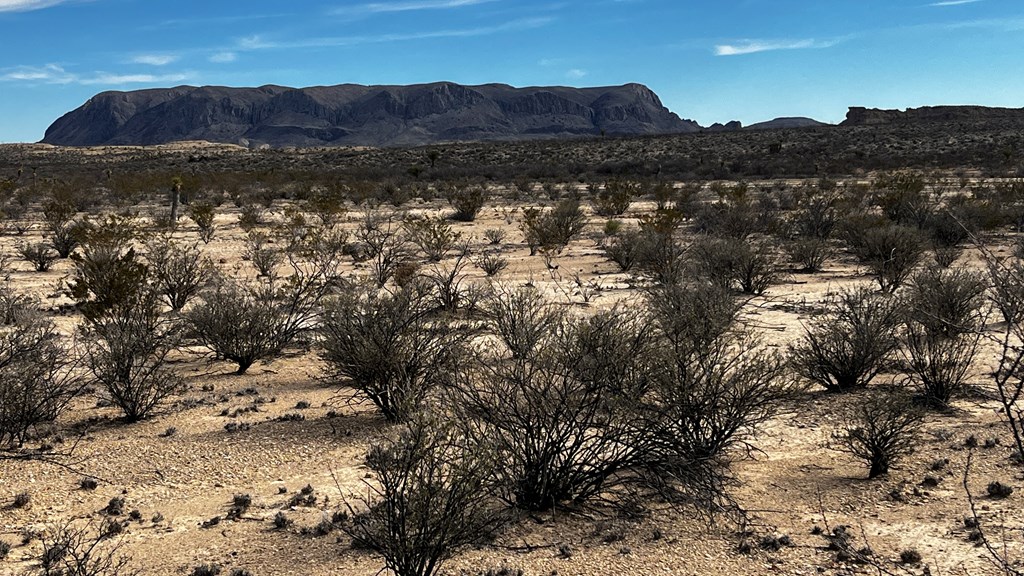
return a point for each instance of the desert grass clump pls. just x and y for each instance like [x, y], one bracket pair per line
[880, 430]
[492, 263]
[852, 343]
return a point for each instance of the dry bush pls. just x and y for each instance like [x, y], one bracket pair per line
[237, 322]
[433, 236]
[809, 253]
[71, 549]
[265, 258]
[108, 271]
[429, 500]
[389, 348]
[521, 318]
[881, 430]
[492, 263]
[38, 376]
[614, 198]
[561, 419]
[851, 343]
[903, 199]
[890, 252]
[39, 254]
[553, 229]
[203, 213]
[733, 262]
[127, 349]
[467, 201]
[178, 271]
[385, 243]
[732, 215]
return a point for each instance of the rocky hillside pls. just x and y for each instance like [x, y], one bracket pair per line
[929, 114]
[355, 115]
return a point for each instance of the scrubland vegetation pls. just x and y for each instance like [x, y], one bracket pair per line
[508, 366]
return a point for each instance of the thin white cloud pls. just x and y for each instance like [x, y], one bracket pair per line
[27, 5]
[575, 74]
[755, 46]
[154, 59]
[223, 57]
[258, 42]
[405, 6]
[954, 2]
[56, 74]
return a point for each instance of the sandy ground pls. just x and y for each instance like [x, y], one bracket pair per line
[791, 485]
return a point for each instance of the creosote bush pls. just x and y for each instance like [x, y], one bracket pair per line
[179, 271]
[127, 353]
[430, 499]
[851, 343]
[38, 372]
[467, 201]
[881, 430]
[889, 252]
[389, 347]
[552, 230]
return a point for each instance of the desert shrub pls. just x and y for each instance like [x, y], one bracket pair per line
[903, 199]
[388, 348]
[434, 236]
[816, 215]
[37, 371]
[249, 321]
[658, 254]
[250, 216]
[624, 248]
[203, 213]
[39, 254]
[947, 232]
[430, 499]
[732, 215]
[65, 233]
[467, 201]
[730, 261]
[890, 252]
[710, 400]
[553, 229]
[108, 271]
[327, 206]
[492, 263]
[521, 318]
[178, 271]
[83, 550]
[5, 549]
[1007, 279]
[809, 253]
[851, 343]
[881, 430]
[385, 244]
[614, 198]
[560, 421]
[942, 331]
[264, 257]
[494, 236]
[691, 316]
[450, 291]
[127, 354]
[947, 302]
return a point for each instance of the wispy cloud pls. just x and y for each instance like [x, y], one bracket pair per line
[954, 2]
[223, 57]
[258, 42]
[26, 5]
[755, 46]
[405, 6]
[575, 74]
[154, 59]
[56, 74]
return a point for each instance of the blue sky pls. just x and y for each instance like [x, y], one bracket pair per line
[709, 60]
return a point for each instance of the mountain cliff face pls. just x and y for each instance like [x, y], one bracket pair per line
[949, 114]
[355, 115]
